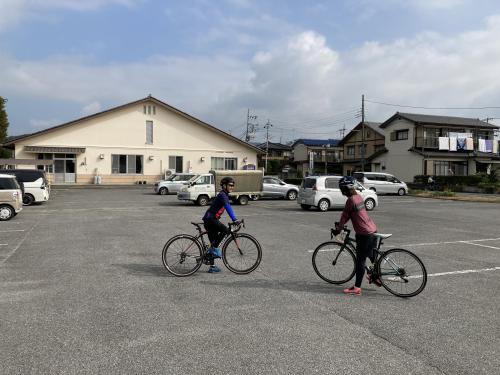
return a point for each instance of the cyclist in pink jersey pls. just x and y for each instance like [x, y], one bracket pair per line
[364, 227]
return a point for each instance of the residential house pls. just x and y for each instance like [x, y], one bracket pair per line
[436, 145]
[278, 153]
[134, 142]
[363, 143]
[317, 156]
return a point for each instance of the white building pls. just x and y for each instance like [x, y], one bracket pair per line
[133, 142]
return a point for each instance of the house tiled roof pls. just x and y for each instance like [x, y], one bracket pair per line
[317, 142]
[375, 126]
[274, 146]
[438, 120]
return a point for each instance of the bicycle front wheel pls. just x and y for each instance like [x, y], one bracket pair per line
[401, 272]
[333, 262]
[182, 255]
[241, 253]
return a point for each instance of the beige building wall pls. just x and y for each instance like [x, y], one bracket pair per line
[123, 131]
[398, 160]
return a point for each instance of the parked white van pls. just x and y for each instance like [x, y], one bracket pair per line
[323, 192]
[36, 185]
[382, 183]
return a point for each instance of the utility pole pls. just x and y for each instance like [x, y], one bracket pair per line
[342, 132]
[267, 126]
[363, 132]
[250, 126]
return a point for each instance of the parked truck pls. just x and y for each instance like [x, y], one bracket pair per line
[203, 188]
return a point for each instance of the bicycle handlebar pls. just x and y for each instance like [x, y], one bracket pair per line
[238, 225]
[334, 232]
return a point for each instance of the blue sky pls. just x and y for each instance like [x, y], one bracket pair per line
[302, 65]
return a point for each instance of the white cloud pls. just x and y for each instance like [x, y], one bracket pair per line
[15, 11]
[91, 108]
[289, 83]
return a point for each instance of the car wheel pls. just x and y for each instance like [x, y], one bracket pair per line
[323, 205]
[254, 197]
[401, 191]
[28, 199]
[291, 195]
[202, 200]
[6, 213]
[373, 189]
[243, 200]
[163, 191]
[369, 204]
[305, 206]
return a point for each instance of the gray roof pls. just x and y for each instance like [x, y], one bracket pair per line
[375, 126]
[439, 120]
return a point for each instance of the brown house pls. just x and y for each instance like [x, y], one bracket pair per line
[364, 142]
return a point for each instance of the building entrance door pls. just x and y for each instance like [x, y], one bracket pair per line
[64, 169]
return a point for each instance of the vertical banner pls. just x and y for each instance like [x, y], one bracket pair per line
[311, 161]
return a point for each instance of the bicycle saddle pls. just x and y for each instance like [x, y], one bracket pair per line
[383, 236]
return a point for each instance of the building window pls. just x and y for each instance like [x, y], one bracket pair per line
[399, 135]
[450, 168]
[46, 168]
[351, 150]
[144, 109]
[379, 147]
[175, 162]
[224, 163]
[149, 132]
[126, 164]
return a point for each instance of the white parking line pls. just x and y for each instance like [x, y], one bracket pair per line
[477, 244]
[464, 271]
[451, 242]
[12, 230]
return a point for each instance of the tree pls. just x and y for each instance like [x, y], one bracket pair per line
[4, 124]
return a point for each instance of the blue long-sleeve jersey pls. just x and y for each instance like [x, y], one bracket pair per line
[216, 209]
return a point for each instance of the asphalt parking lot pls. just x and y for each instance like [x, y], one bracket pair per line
[83, 290]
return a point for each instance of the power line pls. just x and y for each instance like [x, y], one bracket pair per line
[420, 107]
[320, 119]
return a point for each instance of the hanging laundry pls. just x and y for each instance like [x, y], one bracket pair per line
[461, 144]
[495, 146]
[481, 145]
[453, 144]
[488, 145]
[469, 144]
[444, 143]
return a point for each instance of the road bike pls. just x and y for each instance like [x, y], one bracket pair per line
[184, 254]
[400, 271]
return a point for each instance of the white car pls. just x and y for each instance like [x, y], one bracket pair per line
[382, 183]
[323, 192]
[173, 184]
[36, 185]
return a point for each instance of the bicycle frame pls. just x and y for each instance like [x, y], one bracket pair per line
[379, 255]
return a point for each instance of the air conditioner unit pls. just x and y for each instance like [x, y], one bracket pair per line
[169, 172]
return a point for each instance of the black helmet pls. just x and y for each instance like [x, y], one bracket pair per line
[226, 180]
[346, 183]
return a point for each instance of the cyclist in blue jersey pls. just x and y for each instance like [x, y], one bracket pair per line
[215, 229]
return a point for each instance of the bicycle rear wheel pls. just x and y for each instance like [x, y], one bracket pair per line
[182, 255]
[241, 253]
[333, 262]
[401, 272]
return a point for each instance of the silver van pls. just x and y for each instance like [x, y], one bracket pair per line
[173, 184]
[323, 192]
[382, 183]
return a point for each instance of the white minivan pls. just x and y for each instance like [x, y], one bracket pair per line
[36, 185]
[382, 183]
[323, 192]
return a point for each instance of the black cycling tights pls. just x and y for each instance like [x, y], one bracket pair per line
[216, 231]
[365, 243]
